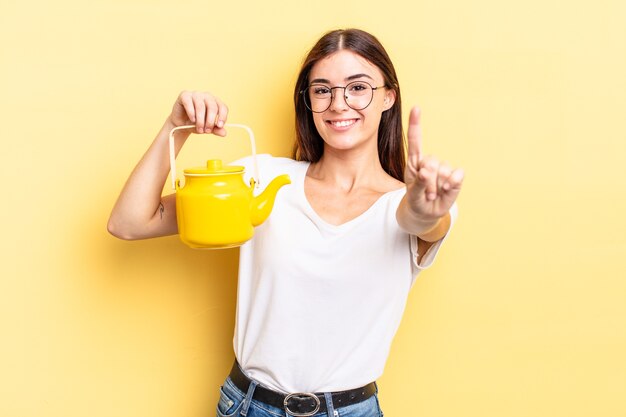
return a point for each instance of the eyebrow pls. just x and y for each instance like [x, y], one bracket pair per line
[350, 78]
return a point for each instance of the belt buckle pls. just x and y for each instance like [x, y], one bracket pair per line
[301, 394]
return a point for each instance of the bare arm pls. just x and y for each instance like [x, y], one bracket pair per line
[432, 188]
[140, 212]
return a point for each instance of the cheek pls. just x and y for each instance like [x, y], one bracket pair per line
[319, 121]
[374, 114]
[378, 104]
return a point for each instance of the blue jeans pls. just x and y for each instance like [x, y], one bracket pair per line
[233, 402]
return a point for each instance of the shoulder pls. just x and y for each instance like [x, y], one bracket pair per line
[279, 162]
[394, 189]
[268, 161]
[270, 166]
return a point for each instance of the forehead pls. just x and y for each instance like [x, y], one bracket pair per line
[340, 65]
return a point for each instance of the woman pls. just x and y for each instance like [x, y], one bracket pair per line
[324, 281]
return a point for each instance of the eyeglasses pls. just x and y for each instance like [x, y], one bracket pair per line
[319, 97]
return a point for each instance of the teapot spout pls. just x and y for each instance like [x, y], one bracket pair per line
[261, 205]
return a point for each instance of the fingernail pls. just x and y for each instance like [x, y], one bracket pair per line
[207, 130]
[446, 186]
[431, 196]
[220, 123]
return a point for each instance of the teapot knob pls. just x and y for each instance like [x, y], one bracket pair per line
[214, 164]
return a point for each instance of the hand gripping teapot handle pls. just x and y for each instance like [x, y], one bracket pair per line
[257, 180]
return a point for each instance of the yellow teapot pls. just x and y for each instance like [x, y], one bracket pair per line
[215, 209]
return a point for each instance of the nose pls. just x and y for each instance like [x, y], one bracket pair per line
[338, 98]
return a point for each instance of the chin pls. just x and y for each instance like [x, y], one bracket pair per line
[343, 144]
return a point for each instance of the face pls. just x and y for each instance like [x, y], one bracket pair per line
[342, 127]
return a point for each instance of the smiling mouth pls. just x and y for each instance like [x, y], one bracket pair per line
[342, 123]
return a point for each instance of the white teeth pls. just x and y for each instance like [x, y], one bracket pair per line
[343, 123]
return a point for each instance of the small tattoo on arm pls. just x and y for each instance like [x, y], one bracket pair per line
[161, 209]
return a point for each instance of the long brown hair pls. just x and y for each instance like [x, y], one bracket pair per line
[309, 144]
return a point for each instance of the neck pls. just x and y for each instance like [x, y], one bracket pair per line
[348, 169]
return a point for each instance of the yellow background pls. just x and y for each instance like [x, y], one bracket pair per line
[524, 313]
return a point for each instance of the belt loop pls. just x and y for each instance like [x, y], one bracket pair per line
[248, 400]
[330, 409]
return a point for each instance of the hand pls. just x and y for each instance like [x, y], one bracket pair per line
[204, 110]
[432, 186]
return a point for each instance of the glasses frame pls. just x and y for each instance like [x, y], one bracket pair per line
[345, 97]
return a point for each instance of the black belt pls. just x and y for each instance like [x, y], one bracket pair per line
[301, 404]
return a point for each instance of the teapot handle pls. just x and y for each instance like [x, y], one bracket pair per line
[252, 143]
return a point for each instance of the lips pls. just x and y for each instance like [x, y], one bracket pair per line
[341, 124]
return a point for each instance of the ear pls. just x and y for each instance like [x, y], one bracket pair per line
[390, 99]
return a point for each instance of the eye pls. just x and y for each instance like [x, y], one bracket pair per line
[359, 87]
[319, 89]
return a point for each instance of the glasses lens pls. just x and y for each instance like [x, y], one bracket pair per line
[359, 95]
[317, 97]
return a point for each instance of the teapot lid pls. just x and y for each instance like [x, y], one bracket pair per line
[215, 167]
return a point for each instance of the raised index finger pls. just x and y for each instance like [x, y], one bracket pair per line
[414, 136]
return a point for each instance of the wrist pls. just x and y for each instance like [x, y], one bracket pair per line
[412, 222]
[438, 230]
[426, 225]
[427, 228]
[169, 124]
[181, 135]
